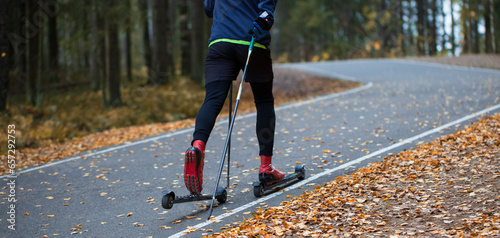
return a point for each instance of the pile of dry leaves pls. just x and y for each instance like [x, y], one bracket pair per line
[448, 187]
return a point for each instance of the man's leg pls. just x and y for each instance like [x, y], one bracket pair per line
[216, 93]
[265, 127]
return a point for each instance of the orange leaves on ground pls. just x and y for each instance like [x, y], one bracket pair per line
[53, 152]
[448, 187]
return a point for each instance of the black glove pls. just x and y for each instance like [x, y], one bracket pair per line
[261, 26]
[264, 23]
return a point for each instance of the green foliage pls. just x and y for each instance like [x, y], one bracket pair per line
[323, 30]
[309, 30]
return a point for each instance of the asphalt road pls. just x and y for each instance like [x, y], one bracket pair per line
[116, 191]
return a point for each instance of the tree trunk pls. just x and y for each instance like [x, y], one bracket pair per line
[39, 69]
[382, 28]
[113, 58]
[82, 44]
[53, 48]
[4, 55]
[452, 36]
[474, 35]
[18, 41]
[444, 37]
[160, 47]
[197, 41]
[465, 22]
[128, 40]
[144, 8]
[411, 38]
[433, 29]
[94, 75]
[32, 53]
[185, 38]
[421, 27]
[174, 38]
[474, 31]
[101, 62]
[488, 20]
[496, 25]
[401, 28]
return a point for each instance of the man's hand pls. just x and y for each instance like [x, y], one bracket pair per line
[261, 25]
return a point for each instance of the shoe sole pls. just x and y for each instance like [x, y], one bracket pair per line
[193, 183]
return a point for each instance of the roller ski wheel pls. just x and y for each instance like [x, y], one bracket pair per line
[221, 195]
[301, 170]
[167, 201]
[258, 190]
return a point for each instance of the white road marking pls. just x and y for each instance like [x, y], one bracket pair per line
[343, 166]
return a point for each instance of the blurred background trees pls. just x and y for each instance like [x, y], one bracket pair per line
[109, 45]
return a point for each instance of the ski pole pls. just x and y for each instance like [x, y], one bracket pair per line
[228, 125]
[223, 157]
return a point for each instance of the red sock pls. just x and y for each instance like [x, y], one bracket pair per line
[200, 145]
[265, 160]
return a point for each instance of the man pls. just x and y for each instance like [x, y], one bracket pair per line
[228, 49]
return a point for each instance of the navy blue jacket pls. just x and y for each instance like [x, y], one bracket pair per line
[232, 19]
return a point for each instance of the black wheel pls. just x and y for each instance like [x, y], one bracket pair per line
[221, 195]
[258, 190]
[300, 169]
[167, 201]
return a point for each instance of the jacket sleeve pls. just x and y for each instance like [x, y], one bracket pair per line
[209, 8]
[266, 9]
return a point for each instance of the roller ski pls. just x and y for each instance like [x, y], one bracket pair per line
[193, 177]
[169, 198]
[272, 180]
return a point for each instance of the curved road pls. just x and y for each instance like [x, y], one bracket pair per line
[116, 191]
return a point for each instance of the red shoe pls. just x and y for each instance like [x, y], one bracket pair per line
[269, 174]
[193, 167]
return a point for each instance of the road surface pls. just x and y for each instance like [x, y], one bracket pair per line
[116, 191]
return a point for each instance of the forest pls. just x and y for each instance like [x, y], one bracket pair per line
[114, 54]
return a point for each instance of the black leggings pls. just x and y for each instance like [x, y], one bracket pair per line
[216, 93]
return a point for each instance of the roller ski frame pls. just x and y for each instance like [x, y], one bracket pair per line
[261, 188]
[169, 198]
